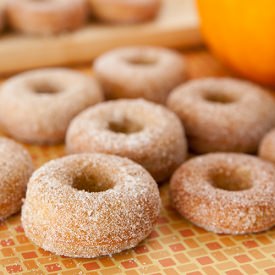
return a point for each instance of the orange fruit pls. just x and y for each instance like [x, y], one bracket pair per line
[242, 34]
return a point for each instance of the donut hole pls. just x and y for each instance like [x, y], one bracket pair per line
[45, 88]
[91, 183]
[125, 126]
[219, 98]
[231, 181]
[141, 60]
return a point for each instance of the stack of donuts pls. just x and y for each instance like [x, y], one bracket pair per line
[54, 17]
[103, 196]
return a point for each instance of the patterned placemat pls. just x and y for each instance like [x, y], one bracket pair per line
[174, 247]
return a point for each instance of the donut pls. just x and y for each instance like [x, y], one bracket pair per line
[37, 106]
[89, 205]
[267, 147]
[145, 132]
[46, 17]
[226, 193]
[15, 170]
[125, 11]
[133, 72]
[223, 114]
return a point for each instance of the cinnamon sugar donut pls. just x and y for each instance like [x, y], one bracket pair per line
[223, 114]
[90, 205]
[125, 11]
[15, 170]
[133, 72]
[37, 106]
[46, 17]
[145, 132]
[226, 193]
[267, 147]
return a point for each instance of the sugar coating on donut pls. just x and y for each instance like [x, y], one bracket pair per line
[223, 114]
[267, 147]
[15, 170]
[45, 101]
[124, 11]
[226, 193]
[134, 72]
[65, 219]
[140, 130]
[46, 17]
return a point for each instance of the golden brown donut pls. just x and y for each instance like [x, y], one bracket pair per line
[90, 205]
[15, 170]
[223, 114]
[46, 16]
[125, 11]
[133, 72]
[267, 147]
[37, 106]
[145, 132]
[226, 193]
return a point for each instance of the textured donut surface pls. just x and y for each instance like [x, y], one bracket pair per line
[37, 106]
[46, 17]
[226, 193]
[125, 11]
[223, 114]
[15, 170]
[89, 205]
[267, 147]
[134, 72]
[145, 132]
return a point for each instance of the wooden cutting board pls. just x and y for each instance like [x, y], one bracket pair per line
[176, 26]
